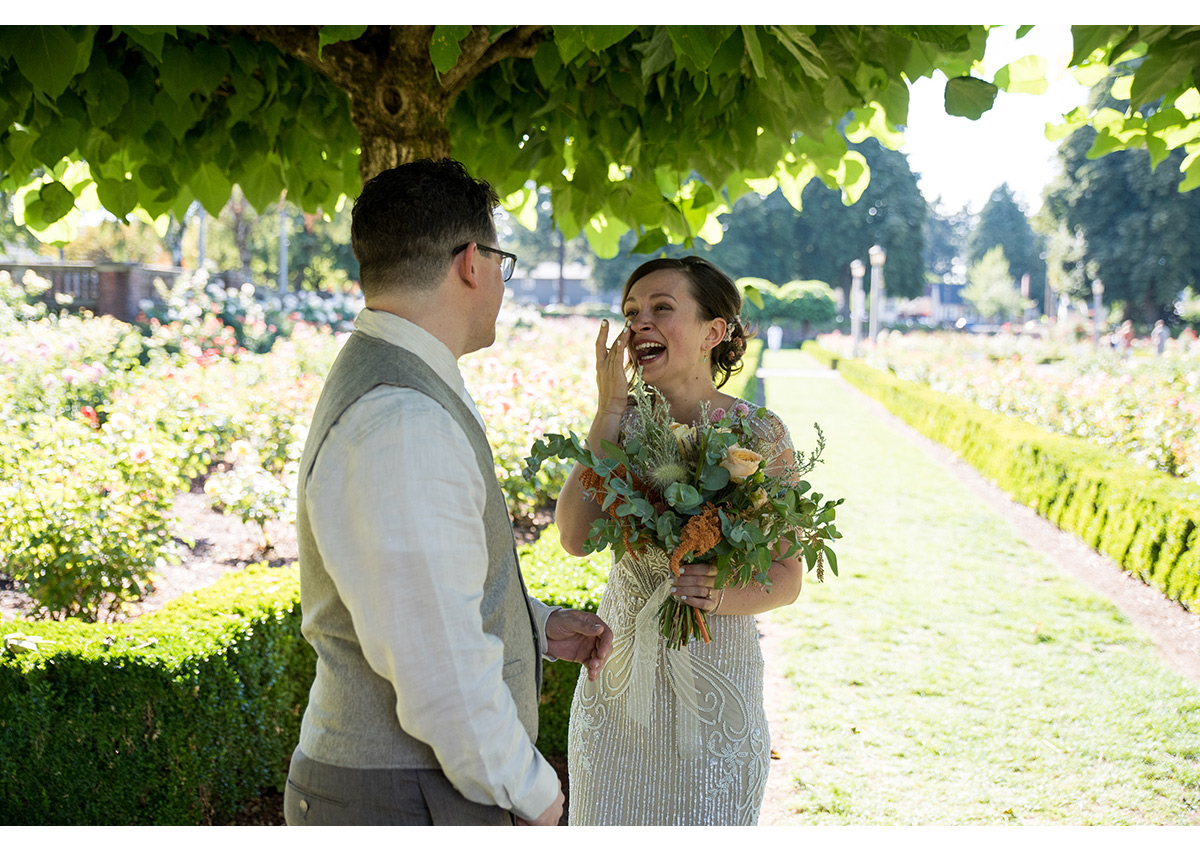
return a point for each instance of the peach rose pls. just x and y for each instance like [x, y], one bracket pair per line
[741, 463]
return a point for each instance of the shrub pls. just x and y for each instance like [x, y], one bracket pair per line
[559, 579]
[176, 718]
[84, 520]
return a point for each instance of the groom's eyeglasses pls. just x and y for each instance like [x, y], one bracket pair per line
[508, 262]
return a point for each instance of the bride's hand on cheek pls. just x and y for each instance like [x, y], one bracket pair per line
[611, 382]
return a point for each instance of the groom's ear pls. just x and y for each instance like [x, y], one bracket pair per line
[467, 265]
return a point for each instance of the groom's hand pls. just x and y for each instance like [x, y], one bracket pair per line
[579, 637]
[551, 817]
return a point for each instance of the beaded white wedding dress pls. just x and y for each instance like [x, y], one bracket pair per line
[663, 736]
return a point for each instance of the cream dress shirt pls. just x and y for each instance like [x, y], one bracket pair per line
[396, 483]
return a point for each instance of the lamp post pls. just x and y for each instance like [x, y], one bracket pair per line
[877, 257]
[857, 270]
[1097, 310]
[283, 249]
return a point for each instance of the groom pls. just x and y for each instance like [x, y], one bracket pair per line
[429, 651]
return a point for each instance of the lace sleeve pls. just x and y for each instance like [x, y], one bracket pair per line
[774, 444]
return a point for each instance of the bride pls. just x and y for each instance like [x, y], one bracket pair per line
[663, 736]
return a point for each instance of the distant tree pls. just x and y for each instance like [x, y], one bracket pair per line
[802, 304]
[767, 238]
[1003, 222]
[991, 289]
[946, 241]
[1123, 221]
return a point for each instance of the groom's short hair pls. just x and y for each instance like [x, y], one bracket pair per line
[409, 219]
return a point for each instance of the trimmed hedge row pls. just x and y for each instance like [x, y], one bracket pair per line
[174, 718]
[744, 385]
[1145, 521]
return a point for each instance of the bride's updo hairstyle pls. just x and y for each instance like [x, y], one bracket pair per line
[717, 295]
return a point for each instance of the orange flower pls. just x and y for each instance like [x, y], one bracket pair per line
[700, 534]
[593, 482]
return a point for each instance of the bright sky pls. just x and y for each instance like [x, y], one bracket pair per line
[964, 160]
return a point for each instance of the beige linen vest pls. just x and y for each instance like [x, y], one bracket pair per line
[350, 719]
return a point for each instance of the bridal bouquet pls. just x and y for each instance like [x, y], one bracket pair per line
[700, 493]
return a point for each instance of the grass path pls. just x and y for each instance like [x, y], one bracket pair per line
[952, 675]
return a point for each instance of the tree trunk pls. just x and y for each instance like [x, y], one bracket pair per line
[398, 101]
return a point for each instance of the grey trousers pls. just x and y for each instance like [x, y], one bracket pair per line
[322, 795]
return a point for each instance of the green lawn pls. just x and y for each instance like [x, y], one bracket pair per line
[951, 675]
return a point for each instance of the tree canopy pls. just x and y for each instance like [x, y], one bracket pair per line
[1118, 217]
[653, 128]
[767, 238]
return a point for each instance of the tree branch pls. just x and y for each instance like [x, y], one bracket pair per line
[479, 53]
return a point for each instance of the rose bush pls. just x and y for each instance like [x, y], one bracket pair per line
[117, 419]
[1145, 407]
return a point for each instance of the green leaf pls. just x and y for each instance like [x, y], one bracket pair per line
[149, 38]
[1087, 40]
[1156, 76]
[547, 63]
[57, 200]
[334, 34]
[600, 37]
[443, 46]
[262, 183]
[119, 197]
[754, 50]
[178, 72]
[1191, 169]
[714, 478]
[969, 97]
[211, 187]
[751, 291]
[651, 241]
[45, 55]
[658, 53]
[1027, 74]
[802, 48]
[604, 235]
[570, 41]
[853, 176]
[681, 496]
[698, 43]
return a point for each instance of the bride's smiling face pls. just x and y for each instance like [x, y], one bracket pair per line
[668, 335]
